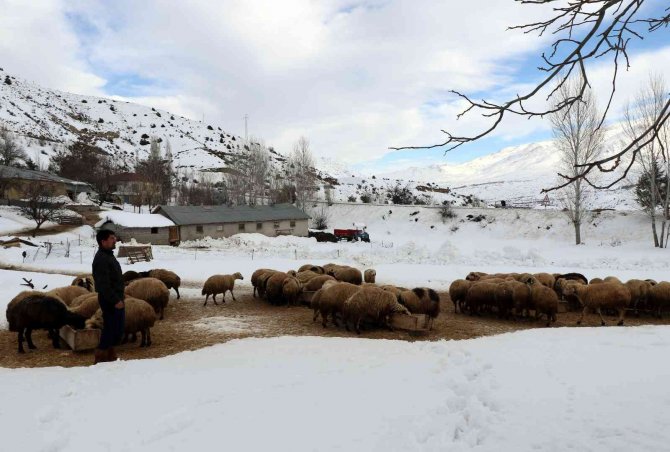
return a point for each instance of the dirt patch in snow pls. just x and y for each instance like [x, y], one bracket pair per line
[189, 325]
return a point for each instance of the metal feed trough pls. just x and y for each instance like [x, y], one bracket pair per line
[414, 323]
[80, 340]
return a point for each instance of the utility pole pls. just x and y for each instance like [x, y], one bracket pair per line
[246, 129]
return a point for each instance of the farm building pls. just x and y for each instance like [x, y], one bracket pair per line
[130, 187]
[196, 222]
[15, 181]
[144, 228]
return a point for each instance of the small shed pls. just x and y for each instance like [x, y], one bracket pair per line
[143, 227]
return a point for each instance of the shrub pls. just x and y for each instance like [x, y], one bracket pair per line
[446, 211]
[351, 198]
[320, 219]
[366, 198]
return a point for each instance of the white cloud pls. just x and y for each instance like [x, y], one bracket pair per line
[354, 77]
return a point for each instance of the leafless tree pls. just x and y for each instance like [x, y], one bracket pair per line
[10, 152]
[302, 174]
[579, 139]
[258, 170]
[585, 30]
[40, 205]
[638, 115]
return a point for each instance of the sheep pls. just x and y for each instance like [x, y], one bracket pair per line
[504, 298]
[543, 299]
[612, 279]
[220, 284]
[480, 294]
[421, 300]
[457, 292]
[573, 277]
[132, 275]
[151, 290]
[395, 290]
[653, 282]
[370, 275]
[169, 278]
[371, 303]
[315, 284]
[140, 317]
[659, 297]
[560, 287]
[330, 267]
[474, 276]
[639, 292]
[256, 277]
[521, 296]
[263, 282]
[596, 281]
[306, 275]
[330, 299]
[85, 305]
[313, 268]
[347, 274]
[291, 288]
[40, 311]
[86, 281]
[68, 293]
[546, 279]
[603, 295]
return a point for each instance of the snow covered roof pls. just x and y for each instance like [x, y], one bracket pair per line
[184, 215]
[26, 174]
[134, 220]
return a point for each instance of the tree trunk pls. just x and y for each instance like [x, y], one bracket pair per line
[653, 230]
[578, 233]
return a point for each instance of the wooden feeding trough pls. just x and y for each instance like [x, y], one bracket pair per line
[414, 323]
[80, 340]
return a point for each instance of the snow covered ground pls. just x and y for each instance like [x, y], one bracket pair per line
[544, 390]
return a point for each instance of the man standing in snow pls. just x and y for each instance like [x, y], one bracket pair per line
[109, 285]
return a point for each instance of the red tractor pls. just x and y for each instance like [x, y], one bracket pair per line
[352, 235]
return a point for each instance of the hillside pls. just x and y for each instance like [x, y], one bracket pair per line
[46, 120]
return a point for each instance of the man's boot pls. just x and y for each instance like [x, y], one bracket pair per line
[111, 354]
[100, 356]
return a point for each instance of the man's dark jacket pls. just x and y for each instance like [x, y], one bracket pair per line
[108, 279]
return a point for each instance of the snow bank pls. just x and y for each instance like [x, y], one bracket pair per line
[546, 390]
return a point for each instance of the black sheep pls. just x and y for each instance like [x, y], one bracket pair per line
[41, 312]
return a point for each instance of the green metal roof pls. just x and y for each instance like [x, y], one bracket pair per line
[186, 215]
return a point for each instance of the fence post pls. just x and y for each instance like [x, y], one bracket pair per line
[81, 261]
[252, 254]
[295, 253]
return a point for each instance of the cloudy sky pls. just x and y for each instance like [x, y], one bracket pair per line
[354, 77]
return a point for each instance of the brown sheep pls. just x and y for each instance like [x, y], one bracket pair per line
[151, 290]
[475, 276]
[169, 278]
[305, 276]
[596, 281]
[546, 279]
[312, 268]
[291, 288]
[612, 279]
[457, 292]
[274, 288]
[371, 303]
[659, 297]
[543, 299]
[347, 274]
[220, 284]
[370, 275]
[85, 305]
[521, 297]
[68, 293]
[256, 278]
[329, 267]
[481, 294]
[421, 300]
[395, 290]
[84, 280]
[315, 284]
[140, 318]
[560, 287]
[639, 292]
[330, 299]
[599, 296]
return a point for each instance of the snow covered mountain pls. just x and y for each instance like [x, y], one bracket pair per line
[517, 174]
[47, 120]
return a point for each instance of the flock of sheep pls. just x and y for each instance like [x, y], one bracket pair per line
[511, 295]
[337, 291]
[147, 296]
